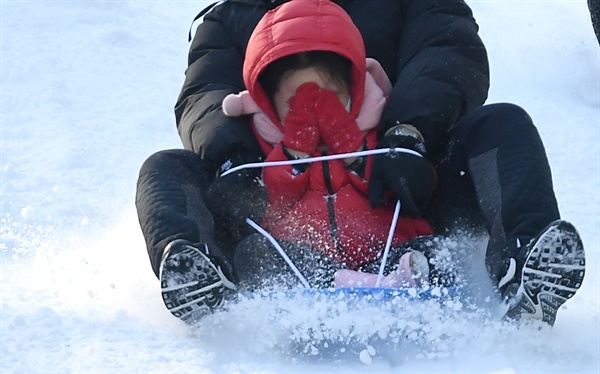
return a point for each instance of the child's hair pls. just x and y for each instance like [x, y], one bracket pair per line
[334, 66]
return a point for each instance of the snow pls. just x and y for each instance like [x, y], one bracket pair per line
[87, 91]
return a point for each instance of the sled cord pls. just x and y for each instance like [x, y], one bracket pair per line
[280, 250]
[254, 165]
[316, 159]
[388, 244]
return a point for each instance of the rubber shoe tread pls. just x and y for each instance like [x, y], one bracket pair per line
[553, 271]
[191, 285]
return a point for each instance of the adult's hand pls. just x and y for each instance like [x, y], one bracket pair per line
[410, 177]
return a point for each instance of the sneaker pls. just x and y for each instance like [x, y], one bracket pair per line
[551, 273]
[192, 285]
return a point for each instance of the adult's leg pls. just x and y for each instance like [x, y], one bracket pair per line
[170, 203]
[495, 173]
[536, 260]
[454, 206]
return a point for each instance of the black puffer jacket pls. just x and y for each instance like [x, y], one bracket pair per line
[430, 50]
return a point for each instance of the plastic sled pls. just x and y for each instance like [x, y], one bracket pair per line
[369, 293]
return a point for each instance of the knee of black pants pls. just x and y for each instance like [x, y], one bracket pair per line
[500, 130]
[187, 165]
[485, 128]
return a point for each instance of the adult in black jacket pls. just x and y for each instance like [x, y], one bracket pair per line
[492, 172]
[594, 6]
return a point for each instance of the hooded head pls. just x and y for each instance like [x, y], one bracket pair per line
[301, 26]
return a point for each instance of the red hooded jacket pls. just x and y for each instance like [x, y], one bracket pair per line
[325, 207]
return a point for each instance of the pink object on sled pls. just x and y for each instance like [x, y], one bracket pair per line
[412, 272]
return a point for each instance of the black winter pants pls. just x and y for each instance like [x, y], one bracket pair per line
[493, 177]
[170, 203]
[177, 199]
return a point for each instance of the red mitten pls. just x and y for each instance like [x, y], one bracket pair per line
[300, 129]
[338, 128]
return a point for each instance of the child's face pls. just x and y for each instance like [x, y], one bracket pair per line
[290, 82]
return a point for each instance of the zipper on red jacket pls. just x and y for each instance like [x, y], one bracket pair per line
[333, 228]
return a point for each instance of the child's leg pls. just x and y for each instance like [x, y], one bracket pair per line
[259, 265]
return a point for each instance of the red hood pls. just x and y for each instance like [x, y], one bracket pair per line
[301, 26]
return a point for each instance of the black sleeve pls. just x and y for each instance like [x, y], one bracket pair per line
[594, 6]
[214, 70]
[442, 70]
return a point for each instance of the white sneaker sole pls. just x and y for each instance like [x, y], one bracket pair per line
[192, 294]
[553, 272]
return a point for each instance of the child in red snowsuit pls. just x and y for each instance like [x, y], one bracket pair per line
[313, 92]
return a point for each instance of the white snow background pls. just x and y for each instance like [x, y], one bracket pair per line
[87, 91]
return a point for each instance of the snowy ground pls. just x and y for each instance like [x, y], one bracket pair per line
[87, 90]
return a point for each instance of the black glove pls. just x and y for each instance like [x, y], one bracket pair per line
[234, 197]
[243, 156]
[411, 178]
